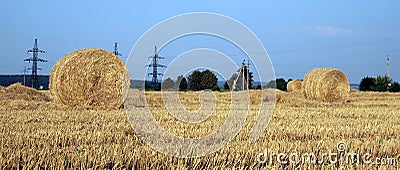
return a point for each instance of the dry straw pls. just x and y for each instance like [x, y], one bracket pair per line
[294, 85]
[326, 84]
[2, 90]
[353, 90]
[90, 78]
[295, 99]
[19, 92]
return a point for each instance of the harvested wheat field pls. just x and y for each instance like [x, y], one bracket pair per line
[47, 135]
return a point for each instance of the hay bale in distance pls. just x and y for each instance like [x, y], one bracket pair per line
[326, 84]
[90, 78]
[294, 85]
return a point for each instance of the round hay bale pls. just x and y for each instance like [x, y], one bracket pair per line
[53, 86]
[294, 85]
[90, 78]
[326, 84]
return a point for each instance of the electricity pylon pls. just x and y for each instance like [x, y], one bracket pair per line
[154, 64]
[35, 51]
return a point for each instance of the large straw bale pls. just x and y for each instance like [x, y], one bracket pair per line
[294, 85]
[90, 78]
[326, 84]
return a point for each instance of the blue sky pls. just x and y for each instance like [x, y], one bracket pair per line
[353, 36]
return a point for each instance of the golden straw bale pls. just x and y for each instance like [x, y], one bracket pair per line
[326, 84]
[294, 85]
[54, 86]
[90, 78]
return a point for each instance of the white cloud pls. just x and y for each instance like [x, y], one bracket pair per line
[331, 30]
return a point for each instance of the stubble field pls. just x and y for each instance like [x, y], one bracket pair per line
[43, 134]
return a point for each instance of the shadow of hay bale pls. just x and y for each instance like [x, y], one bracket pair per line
[295, 99]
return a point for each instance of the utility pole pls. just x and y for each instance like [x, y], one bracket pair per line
[248, 75]
[243, 65]
[116, 50]
[35, 51]
[24, 75]
[388, 65]
[155, 65]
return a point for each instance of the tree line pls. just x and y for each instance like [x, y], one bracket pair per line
[198, 80]
[202, 80]
[6, 80]
[379, 83]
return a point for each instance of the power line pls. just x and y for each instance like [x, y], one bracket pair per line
[154, 64]
[24, 71]
[115, 52]
[388, 65]
[35, 51]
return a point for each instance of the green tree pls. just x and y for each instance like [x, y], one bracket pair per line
[194, 80]
[394, 87]
[181, 83]
[216, 88]
[382, 83]
[226, 85]
[367, 84]
[279, 83]
[167, 84]
[272, 84]
[209, 80]
[200, 80]
[149, 86]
